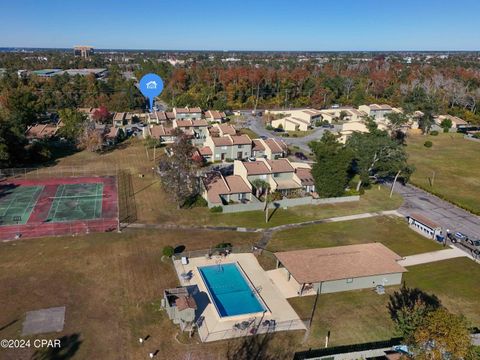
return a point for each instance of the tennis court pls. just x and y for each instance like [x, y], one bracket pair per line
[17, 203]
[76, 202]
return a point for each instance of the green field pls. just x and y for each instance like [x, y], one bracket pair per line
[154, 206]
[393, 232]
[452, 164]
[362, 316]
[17, 202]
[111, 285]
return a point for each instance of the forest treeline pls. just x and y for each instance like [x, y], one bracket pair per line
[450, 86]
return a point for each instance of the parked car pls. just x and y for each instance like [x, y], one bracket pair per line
[301, 156]
[472, 245]
[457, 237]
[263, 137]
[327, 126]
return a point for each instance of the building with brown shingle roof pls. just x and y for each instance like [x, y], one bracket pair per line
[340, 268]
[220, 190]
[280, 174]
[215, 116]
[41, 131]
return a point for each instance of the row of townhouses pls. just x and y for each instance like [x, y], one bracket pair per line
[352, 119]
[283, 176]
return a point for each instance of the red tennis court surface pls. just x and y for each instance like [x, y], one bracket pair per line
[39, 221]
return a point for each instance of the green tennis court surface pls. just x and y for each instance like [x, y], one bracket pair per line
[76, 202]
[17, 203]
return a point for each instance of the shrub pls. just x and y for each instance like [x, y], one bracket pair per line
[295, 135]
[428, 144]
[476, 135]
[168, 251]
[434, 132]
[216, 209]
[286, 135]
[223, 245]
[269, 127]
[195, 201]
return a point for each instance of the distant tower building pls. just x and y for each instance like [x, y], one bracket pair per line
[83, 51]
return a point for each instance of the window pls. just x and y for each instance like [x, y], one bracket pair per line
[349, 281]
[240, 146]
[276, 175]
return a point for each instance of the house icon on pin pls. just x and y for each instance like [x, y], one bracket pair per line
[151, 85]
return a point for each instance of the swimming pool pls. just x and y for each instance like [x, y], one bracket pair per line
[230, 290]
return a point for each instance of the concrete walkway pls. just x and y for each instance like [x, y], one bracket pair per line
[433, 256]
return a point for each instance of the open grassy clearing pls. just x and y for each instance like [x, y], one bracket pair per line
[456, 282]
[393, 232]
[153, 205]
[111, 285]
[252, 134]
[351, 317]
[455, 163]
[362, 316]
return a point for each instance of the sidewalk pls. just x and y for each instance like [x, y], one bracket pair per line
[433, 256]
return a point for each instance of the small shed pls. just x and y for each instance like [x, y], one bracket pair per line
[180, 306]
[424, 226]
[340, 268]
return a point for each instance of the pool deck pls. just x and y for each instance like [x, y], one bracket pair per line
[215, 328]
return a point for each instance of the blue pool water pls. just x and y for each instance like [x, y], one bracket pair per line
[230, 290]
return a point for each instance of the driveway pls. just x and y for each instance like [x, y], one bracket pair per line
[447, 215]
[255, 123]
[433, 256]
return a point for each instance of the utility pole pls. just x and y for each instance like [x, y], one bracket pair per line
[256, 99]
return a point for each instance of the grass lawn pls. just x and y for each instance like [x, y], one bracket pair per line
[393, 232]
[453, 159]
[456, 282]
[362, 316]
[111, 285]
[153, 205]
[299, 133]
[252, 134]
[351, 317]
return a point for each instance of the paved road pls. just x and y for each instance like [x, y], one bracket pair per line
[255, 123]
[447, 215]
[432, 256]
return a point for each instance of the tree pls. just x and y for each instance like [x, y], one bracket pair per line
[91, 139]
[178, 171]
[442, 335]
[395, 122]
[12, 141]
[425, 122]
[376, 155]
[408, 307]
[446, 125]
[331, 169]
[101, 114]
[260, 187]
[73, 124]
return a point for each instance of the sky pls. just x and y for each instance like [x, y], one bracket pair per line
[295, 25]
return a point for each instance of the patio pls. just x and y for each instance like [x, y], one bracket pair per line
[280, 316]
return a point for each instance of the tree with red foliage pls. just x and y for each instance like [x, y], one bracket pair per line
[101, 114]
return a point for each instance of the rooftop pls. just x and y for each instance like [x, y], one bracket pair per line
[340, 262]
[424, 220]
[217, 185]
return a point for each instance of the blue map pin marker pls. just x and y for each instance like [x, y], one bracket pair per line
[151, 85]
